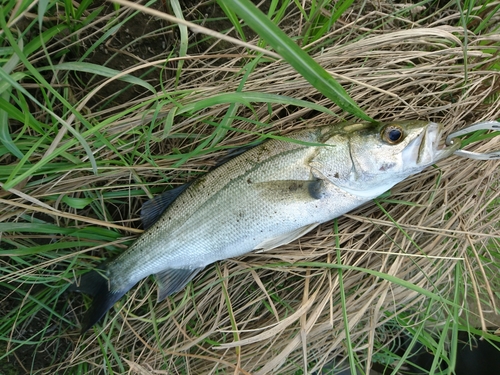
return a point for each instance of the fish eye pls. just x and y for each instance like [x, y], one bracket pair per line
[392, 134]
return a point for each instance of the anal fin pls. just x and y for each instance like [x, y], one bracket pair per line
[285, 238]
[173, 280]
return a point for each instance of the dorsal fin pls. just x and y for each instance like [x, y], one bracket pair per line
[231, 154]
[154, 208]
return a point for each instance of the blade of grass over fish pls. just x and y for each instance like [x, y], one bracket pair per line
[243, 98]
[200, 150]
[296, 57]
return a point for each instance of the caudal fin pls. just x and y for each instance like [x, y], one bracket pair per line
[95, 284]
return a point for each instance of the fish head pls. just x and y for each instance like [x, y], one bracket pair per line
[382, 154]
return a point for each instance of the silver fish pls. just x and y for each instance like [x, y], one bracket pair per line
[268, 196]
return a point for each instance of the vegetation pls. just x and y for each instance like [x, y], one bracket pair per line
[105, 104]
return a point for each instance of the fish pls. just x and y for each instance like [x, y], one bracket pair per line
[263, 198]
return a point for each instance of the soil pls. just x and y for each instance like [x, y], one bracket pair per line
[139, 40]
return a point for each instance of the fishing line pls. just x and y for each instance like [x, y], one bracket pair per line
[486, 125]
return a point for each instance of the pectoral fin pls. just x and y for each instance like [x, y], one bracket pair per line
[295, 190]
[283, 239]
[174, 279]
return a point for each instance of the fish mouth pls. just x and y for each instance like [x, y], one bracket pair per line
[431, 145]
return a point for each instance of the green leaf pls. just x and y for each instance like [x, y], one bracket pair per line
[5, 137]
[37, 42]
[248, 97]
[43, 249]
[77, 203]
[35, 228]
[233, 18]
[183, 31]
[295, 56]
[4, 85]
[42, 8]
[35, 72]
[99, 70]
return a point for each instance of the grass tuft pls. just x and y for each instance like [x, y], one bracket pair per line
[103, 106]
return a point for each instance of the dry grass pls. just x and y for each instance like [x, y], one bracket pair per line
[285, 304]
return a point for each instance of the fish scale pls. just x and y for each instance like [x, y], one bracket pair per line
[263, 198]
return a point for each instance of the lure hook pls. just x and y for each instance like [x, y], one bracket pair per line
[486, 125]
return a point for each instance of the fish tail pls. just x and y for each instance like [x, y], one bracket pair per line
[98, 286]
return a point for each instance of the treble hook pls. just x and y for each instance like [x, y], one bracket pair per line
[486, 125]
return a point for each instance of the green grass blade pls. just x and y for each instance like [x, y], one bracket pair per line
[348, 341]
[246, 98]
[36, 43]
[183, 46]
[100, 70]
[38, 76]
[296, 57]
[42, 9]
[233, 18]
[5, 137]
